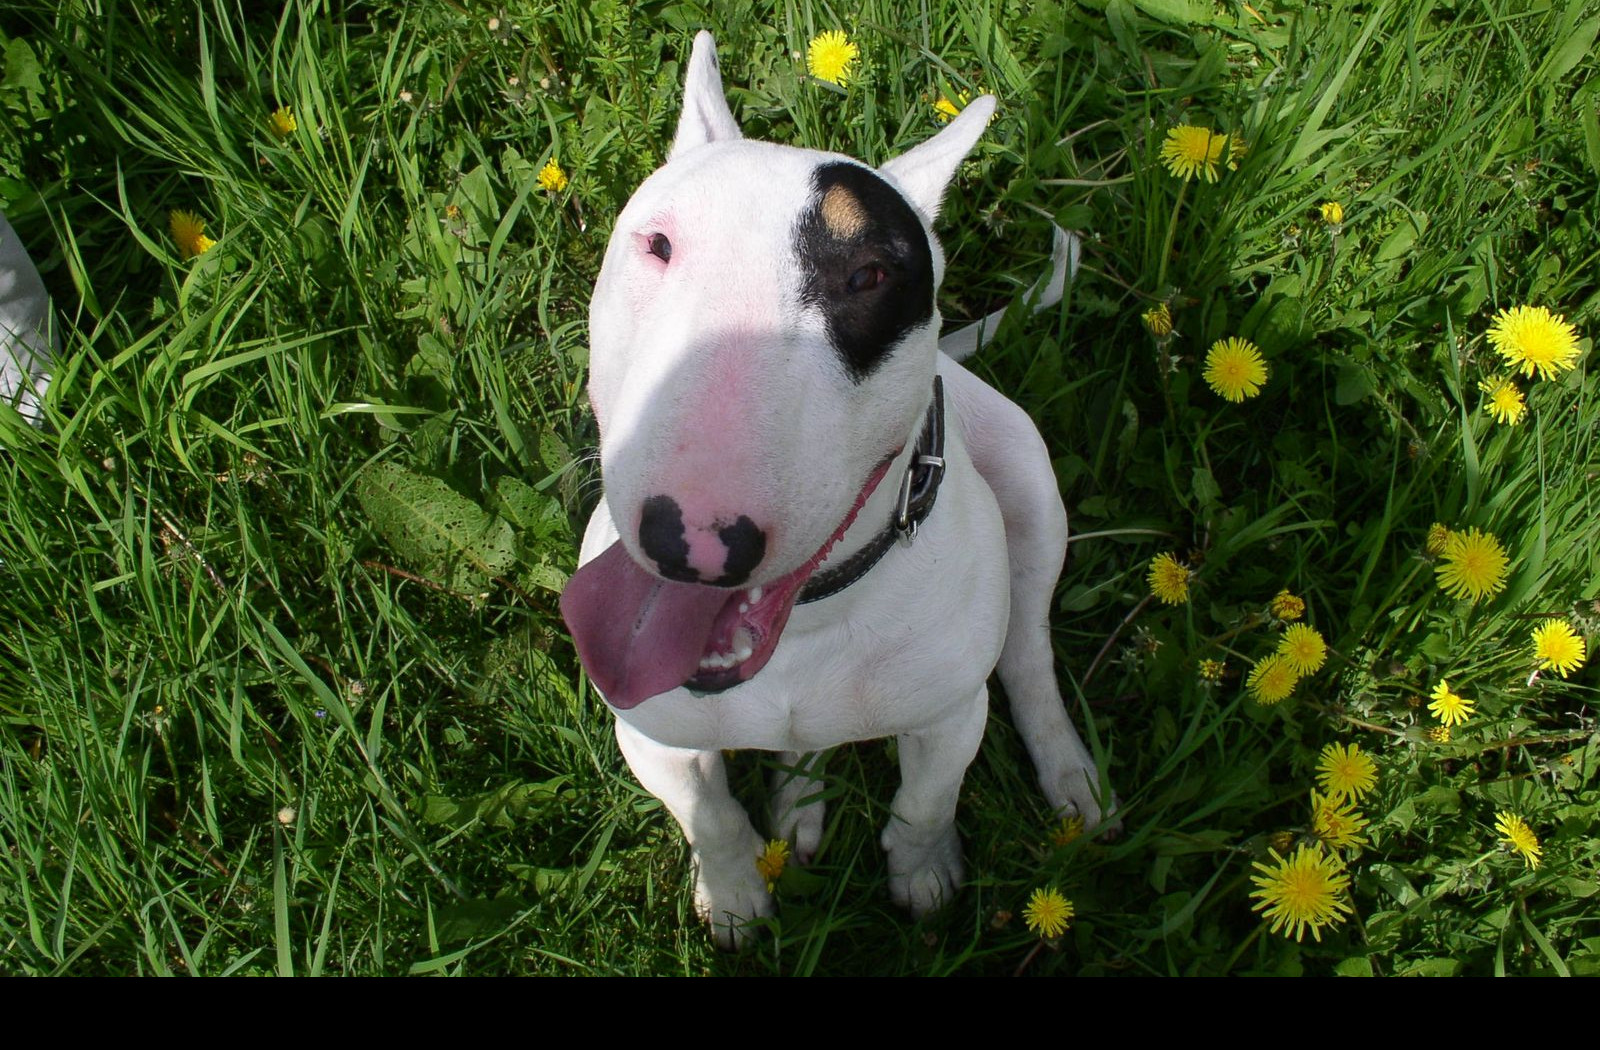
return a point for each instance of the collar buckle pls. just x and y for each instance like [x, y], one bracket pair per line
[922, 476]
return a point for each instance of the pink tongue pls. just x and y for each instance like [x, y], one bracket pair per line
[658, 647]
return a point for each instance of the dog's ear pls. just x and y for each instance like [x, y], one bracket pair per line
[923, 173]
[705, 112]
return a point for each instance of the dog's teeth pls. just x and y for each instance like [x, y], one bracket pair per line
[719, 661]
[744, 607]
[755, 595]
[743, 645]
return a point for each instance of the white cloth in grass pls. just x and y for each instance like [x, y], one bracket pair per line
[1046, 292]
[28, 337]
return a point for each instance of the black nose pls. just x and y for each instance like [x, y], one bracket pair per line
[662, 538]
[747, 545]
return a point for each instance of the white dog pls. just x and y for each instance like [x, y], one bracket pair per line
[816, 528]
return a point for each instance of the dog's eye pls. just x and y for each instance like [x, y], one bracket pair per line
[660, 247]
[866, 279]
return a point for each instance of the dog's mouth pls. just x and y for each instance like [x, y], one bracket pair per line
[639, 636]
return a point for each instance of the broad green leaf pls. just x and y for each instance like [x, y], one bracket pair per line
[22, 68]
[433, 357]
[536, 513]
[1572, 50]
[1591, 134]
[1353, 384]
[1206, 490]
[544, 576]
[435, 528]
[1355, 966]
[504, 807]
[1176, 12]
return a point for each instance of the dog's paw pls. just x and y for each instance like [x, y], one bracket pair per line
[797, 817]
[923, 876]
[729, 891]
[1074, 794]
[801, 827]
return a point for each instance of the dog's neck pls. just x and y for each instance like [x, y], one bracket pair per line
[894, 509]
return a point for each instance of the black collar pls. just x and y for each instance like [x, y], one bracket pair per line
[918, 489]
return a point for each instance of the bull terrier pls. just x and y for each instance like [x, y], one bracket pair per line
[817, 527]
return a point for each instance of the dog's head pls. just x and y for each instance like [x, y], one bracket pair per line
[763, 341]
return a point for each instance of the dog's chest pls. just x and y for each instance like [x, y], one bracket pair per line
[918, 634]
[820, 689]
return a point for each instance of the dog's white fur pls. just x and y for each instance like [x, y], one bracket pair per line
[908, 649]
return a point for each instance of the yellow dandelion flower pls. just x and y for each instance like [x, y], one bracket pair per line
[1301, 893]
[1474, 565]
[947, 109]
[1237, 148]
[1332, 213]
[1336, 822]
[1514, 832]
[1212, 670]
[1534, 341]
[1346, 772]
[1503, 400]
[830, 57]
[1558, 647]
[1285, 606]
[281, 122]
[1303, 647]
[1438, 539]
[1450, 708]
[1169, 579]
[1189, 150]
[771, 862]
[189, 231]
[1048, 913]
[1235, 369]
[1069, 830]
[1158, 321]
[1439, 734]
[551, 178]
[1272, 679]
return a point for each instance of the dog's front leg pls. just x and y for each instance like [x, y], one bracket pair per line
[797, 806]
[693, 785]
[920, 839]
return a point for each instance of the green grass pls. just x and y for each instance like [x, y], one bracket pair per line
[283, 684]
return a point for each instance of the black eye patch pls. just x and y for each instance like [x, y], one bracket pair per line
[866, 264]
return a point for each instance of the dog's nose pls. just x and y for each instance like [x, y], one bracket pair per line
[723, 553]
